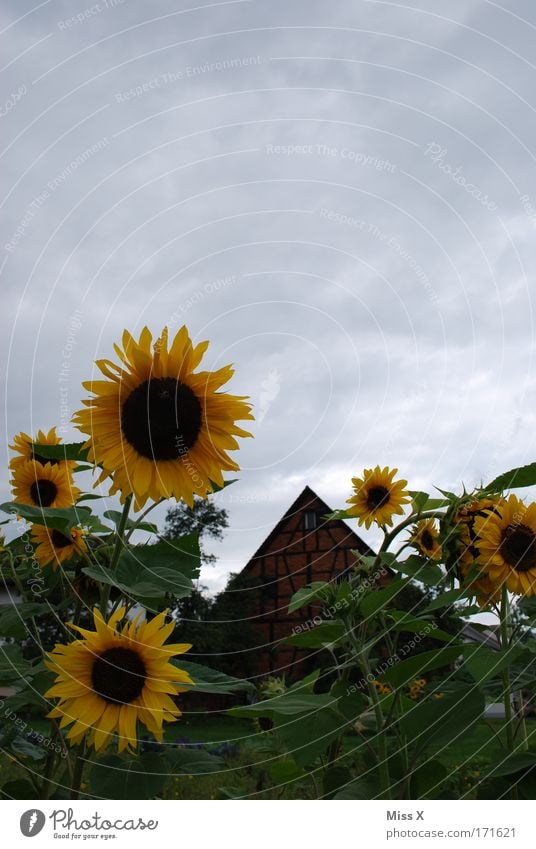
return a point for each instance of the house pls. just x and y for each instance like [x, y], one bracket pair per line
[302, 547]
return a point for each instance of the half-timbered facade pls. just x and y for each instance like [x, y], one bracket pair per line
[303, 547]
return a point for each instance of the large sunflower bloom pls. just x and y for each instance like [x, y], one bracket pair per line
[425, 538]
[22, 444]
[377, 497]
[43, 485]
[53, 547]
[507, 545]
[156, 427]
[114, 676]
[466, 553]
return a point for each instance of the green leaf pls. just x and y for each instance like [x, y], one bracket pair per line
[514, 479]
[485, 664]
[412, 624]
[116, 516]
[441, 721]
[133, 579]
[211, 681]
[323, 634]
[217, 488]
[448, 598]
[285, 705]
[184, 761]
[181, 554]
[306, 595]
[427, 779]
[13, 618]
[13, 668]
[361, 788]
[19, 789]
[116, 777]
[337, 515]
[59, 518]
[286, 770]
[405, 671]
[307, 735]
[419, 500]
[334, 780]
[512, 764]
[421, 569]
[66, 451]
[378, 599]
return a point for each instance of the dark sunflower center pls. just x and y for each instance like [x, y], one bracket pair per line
[427, 540]
[518, 547]
[59, 540]
[118, 675]
[161, 419]
[377, 496]
[43, 492]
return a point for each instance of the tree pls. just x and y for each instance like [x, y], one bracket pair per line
[204, 518]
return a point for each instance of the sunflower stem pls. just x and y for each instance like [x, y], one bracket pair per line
[119, 542]
[77, 772]
[142, 516]
[389, 537]
[507, 689]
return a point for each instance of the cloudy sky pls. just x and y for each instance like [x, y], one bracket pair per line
[341, 196]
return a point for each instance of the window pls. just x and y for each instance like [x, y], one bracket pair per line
[310, 520]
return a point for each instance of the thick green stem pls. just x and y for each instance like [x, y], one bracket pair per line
[142, 516]
[49, 768]
[119, 542]
[410, 520]
[507, 690]
[522, 725]
[77, 772]
[383, 766]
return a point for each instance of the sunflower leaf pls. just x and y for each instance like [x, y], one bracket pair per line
[181, 554]
[206, 680]
[443, 721]
[116, 777]
[325, 633]
[306, 595]
[134, 579]
[13, 618]
[514, 479]
[58, 518]
[116, 517]
[337, 514]
[64, 451]
[401, 673]
[421, 569]
[185, 761]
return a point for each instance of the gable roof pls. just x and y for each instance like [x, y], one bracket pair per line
[308, 499]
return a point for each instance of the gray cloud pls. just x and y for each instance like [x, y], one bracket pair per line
[342, 198]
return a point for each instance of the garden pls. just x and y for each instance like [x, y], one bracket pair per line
[421, 656]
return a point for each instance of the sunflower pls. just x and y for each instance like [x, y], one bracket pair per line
[22, 444]
[53, 547]
[156, 427]
[45, 485]
[114, 676]
[425, 537]
[466, 552]
[507, 545]
[377, 497]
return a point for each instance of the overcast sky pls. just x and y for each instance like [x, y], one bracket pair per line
[341, 196]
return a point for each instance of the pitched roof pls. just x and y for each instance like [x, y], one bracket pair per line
[308, 499]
